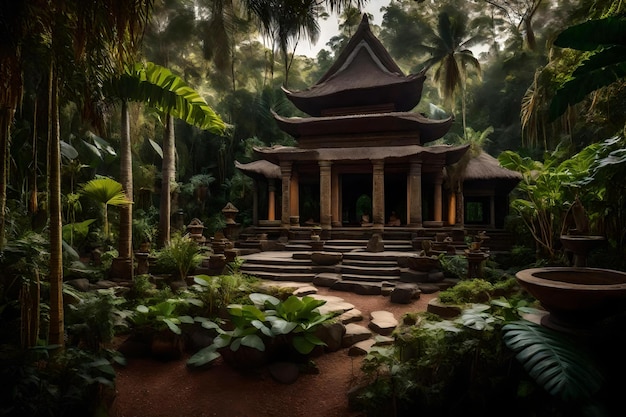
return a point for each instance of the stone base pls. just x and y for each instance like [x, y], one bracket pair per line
[121, 269]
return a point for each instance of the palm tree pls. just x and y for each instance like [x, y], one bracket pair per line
[76, 40]
[450, 56]
[161, 89]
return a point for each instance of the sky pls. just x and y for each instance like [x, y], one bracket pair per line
[330, 28]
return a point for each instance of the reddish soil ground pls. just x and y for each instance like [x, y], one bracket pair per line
[149, 388]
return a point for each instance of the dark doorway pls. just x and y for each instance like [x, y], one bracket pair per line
[477, 210]
[395, 197]
[355, 188]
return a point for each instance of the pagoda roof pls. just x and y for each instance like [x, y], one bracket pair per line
[394, 122]
[445, 153]
[486, 167]
[260, 168]
[363, 75]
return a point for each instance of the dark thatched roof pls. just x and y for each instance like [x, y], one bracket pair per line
[486, 167]
[363, 75]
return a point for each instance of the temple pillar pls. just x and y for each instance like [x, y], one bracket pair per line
[492, 211]
[438, 203]
[271, 199]
[285, 172]
[378, 193]
[452, 208]
[459, 206]
[335, 209]
[325, 194]
[255, 202]
[414, 197]
[294, 199]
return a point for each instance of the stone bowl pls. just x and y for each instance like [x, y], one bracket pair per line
[574, 296]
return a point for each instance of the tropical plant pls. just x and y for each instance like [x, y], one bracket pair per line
[107, 192]
[604, 63]
[166, 314]
[179, 256]
[553, 361]
[267, 319]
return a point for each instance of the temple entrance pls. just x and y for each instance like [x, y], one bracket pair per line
[356, 192]
[309, 198]
[395, 199]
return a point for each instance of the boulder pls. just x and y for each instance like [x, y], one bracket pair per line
[331, 334]
[326, 279]
[326, 258]
[361, 348]
[375, 244]
[404, 293]
[284, 372]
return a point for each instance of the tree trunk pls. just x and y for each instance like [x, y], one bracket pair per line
[6, 115]
[122, 266]
[56, 335]
[168, 174]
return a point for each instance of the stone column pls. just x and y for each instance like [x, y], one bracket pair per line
[452, 208]
[271, 199]
[378, 193]
[414, 197]
[294, 198]
[255, 202]
[285, 171]
[325, 194]
[335, 209]
[438, 196]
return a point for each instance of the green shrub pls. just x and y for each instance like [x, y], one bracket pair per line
[468, 291]
[179, 257]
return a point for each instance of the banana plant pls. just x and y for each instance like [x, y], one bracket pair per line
[107, 192]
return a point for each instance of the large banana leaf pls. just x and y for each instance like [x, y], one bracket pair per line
[553, 361]
[605, 65]
[158, 87]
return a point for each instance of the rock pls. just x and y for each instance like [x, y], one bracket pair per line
[423, 263]
[305, 290]
[410, 275]
[331, 334]
[355, 333]
[435, 276]
[375, 244]
[178, 285]
[350, 316]
[446, 311]
[428, 288]
[326, 258]
[105, 284]
[81, 284]
[404, 293]
[361, 348]
[382, 322]
[284, 372]
[333, 304]
[358, 287]
[326, 279]
[386, 291]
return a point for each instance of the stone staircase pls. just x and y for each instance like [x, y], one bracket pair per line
[361, 272]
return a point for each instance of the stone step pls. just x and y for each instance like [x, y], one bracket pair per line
[369, 270]
[368, 263]
[283, 276]
[263, 260]
[370, 278]
[286, 267]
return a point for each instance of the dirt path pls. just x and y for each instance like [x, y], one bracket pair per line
[148, 388]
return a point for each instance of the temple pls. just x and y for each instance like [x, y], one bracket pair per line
[362, 159]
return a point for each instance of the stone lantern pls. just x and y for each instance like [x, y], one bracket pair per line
[195, 229]
[232, 227]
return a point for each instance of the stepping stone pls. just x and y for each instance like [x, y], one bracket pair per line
[446, 311]
[305, 290]
[361, 348]
[326, 279]
[350, 316]
[355, 333]
[338, 307]
[382, 322]
[380, 340]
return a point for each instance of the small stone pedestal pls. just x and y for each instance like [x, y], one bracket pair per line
[143, 265]
[475, 263]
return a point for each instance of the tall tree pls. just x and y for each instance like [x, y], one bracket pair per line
[450, 55]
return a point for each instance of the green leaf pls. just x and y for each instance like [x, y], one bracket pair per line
[253, 341]
[590, 35]
[260, 299]
[142, 309]
[283, 326]
[172, 326]
[553, 361]
[204, 356]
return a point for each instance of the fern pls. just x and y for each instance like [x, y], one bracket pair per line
[553, 361]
